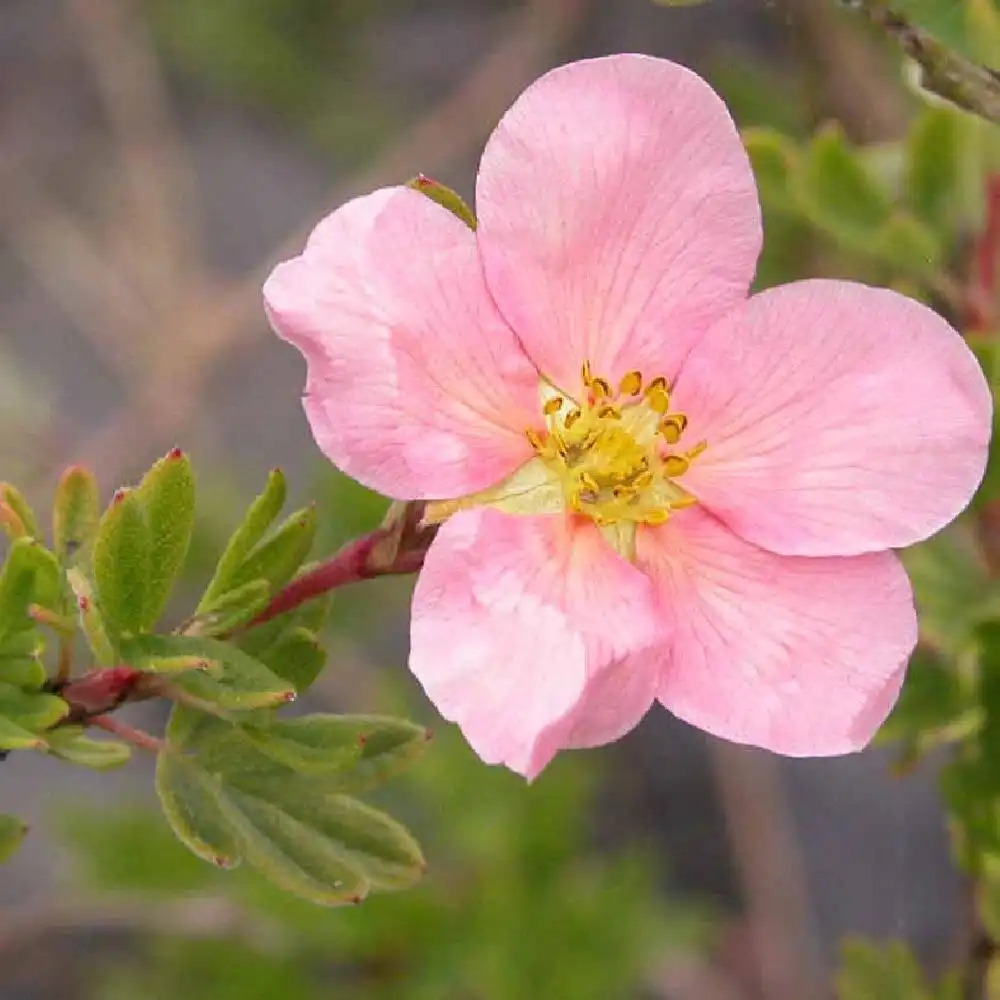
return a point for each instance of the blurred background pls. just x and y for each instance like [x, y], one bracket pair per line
[157, 157]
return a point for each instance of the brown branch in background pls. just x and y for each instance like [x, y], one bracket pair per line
[771, 870]
[943, 71]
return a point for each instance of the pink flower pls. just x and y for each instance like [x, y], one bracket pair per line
[655, 488]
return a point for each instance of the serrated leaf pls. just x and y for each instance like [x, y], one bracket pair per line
[445, 197]
[297, 656]
[167, 496]
[232, 609]
[30, 575]
[121, 564]
[836, 192]
[15, 501]
[933, 165]
[75, 515]
[277, 559]
[774, 158]
[70, 744]
[884, 972]
[12, 834]
[324, 846]
[258, 519]
[235, 682]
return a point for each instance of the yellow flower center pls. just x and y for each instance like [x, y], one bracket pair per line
[613, 453]
[610, 456]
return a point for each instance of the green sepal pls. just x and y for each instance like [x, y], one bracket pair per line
[258, 519]
[75, 515]
[445, 197]
[70, 744]
[167, 497]
[234, 682]
[122, 564]
[12, 834]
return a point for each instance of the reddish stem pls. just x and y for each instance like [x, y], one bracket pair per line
[352, 564]
[136, 737]
[986, 260]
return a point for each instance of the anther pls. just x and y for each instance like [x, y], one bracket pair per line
[587, 374]
[631, 384]
[553, 405]
[658, 399]
[589, 482]
[643, 480]
[571, 418]
[676, 465]
[600, 388]
[534, 439]
[687, 500]
[696, 450]
[607, 410]
[659, 384]
[672, 427]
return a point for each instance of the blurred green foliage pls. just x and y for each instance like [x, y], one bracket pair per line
[519, 903]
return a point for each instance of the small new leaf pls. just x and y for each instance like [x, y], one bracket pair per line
[445, 197]
[70, 744]
[258, 519]
[277, 559]
[232, 609]
[167, 496]
[30, 575]
[122, 564]
[75, 515]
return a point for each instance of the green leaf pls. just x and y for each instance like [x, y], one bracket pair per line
[277, 559]
[445, 197]
[24, 672]
[933, 166]
[297, 656]
[69, 744]
[30, 575]
[236, 681]
[908, 245]
[167, 495]
[30, 709]
[312, 744]
[387, 746]
[836, 192]
[15, 737]
[12, 834]
[122, 564]
[232, 609]
[227, 799]
[75, 515]
[258, 519]
[91, 619]
[774, 158]
[15, 500]
[871, 972]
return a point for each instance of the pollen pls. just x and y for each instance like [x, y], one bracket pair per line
[615, 453]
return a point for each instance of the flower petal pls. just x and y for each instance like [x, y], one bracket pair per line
[618, 216]
[803, 656]
[512, 617]
[839, 419]
[416, 386]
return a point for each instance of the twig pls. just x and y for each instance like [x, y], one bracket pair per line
[943, 72]
[136, 737]
[771, 870]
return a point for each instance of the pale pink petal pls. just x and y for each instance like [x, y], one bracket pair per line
[512, 618]
[803, 656]
[416, 385]
[618, 216]
[839, 419]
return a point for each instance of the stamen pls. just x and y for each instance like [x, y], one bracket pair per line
[600, 388]
[658, 515]
[534, 439]
[658, 399]
[631, 384]
[643, 480]
[659, 384]
[676, 465]
[571, 418]
[553, 405]
[696, 450]
[589, 482]
[588, 375]
[672, 427]
[607, 410]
